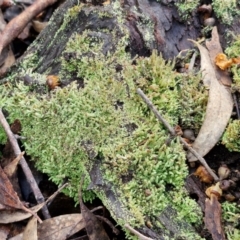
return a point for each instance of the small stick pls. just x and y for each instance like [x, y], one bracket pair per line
[135, 232]
[51, 198]
[236, 105]
[115, 230]
[171, 130]
[31, 180]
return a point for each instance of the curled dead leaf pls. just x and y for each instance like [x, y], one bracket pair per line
[11, 168]
[219, 108]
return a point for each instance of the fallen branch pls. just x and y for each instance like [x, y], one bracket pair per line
[17, 24]
[31, 180]
[135, 232]
[172, 132]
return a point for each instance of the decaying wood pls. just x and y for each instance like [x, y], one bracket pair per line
[169, 36]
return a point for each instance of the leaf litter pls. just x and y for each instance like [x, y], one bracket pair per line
[219, 107]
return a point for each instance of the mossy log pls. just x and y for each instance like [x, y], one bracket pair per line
[96, 45]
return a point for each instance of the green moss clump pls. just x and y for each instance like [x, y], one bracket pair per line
[231, 217]
[186, 7]
[232, 133]
[231, 136]
[226, 10]
[70, 128]
[233, 51]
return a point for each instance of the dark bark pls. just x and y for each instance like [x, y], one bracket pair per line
[170, 35]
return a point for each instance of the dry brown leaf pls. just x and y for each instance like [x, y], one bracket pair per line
[219, 108]
[4, 231]
[60, 227]
[30, 231]
[212, 218]
[10, 216]
[214, 47]
[16, 25]
[17, 237]
[93, 226]
[10, 169]
[8, 197]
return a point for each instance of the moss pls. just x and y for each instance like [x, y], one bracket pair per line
[233, 51]
[225, 10]
[70, 128]
[186, 7]
[231, 217]
[231, 136]
[100, 115]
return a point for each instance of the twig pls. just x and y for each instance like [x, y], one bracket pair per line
[51, 198]
[135, 232]
[115, 230]
[36, 191]
[17, 24]
[171, 130]
[236, 105]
